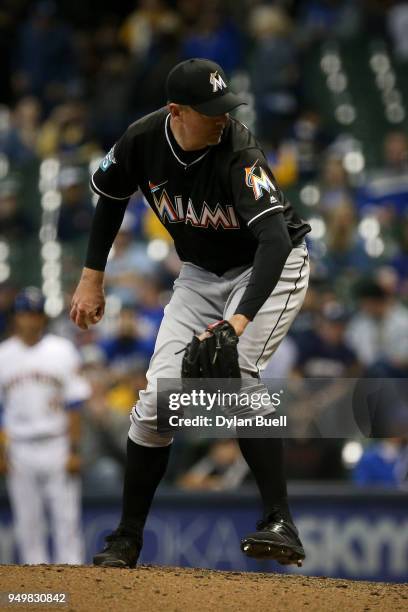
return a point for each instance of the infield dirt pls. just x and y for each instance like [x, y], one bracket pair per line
[172, 589]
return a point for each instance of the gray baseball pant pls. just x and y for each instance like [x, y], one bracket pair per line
[201, 297]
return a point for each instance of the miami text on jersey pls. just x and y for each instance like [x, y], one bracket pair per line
[173, 211]
[260, 182]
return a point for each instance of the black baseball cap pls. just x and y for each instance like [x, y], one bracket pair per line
[201, 84]
[369, 288]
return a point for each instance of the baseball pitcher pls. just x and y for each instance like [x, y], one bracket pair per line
[243, 280]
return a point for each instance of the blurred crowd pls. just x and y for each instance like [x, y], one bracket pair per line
[72, 81]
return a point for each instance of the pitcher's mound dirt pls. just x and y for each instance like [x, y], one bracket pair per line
[171, 589]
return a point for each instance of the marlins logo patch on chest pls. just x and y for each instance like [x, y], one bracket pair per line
[257, 179]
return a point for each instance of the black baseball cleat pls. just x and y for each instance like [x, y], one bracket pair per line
[276, 539]
[121, 550]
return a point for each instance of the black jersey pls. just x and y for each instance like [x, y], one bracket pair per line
[207, 200]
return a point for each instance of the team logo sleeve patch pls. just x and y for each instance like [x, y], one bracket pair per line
[112, 179]
[108, 160]
[257, 179]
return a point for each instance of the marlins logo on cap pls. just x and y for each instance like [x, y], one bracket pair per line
[216, 81]
[201, 84]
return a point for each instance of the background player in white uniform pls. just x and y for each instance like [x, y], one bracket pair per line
[41, 394]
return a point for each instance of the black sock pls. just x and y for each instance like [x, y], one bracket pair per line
[265, 457]
[145, 467]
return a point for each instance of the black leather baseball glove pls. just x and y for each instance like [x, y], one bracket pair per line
[213, 357]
